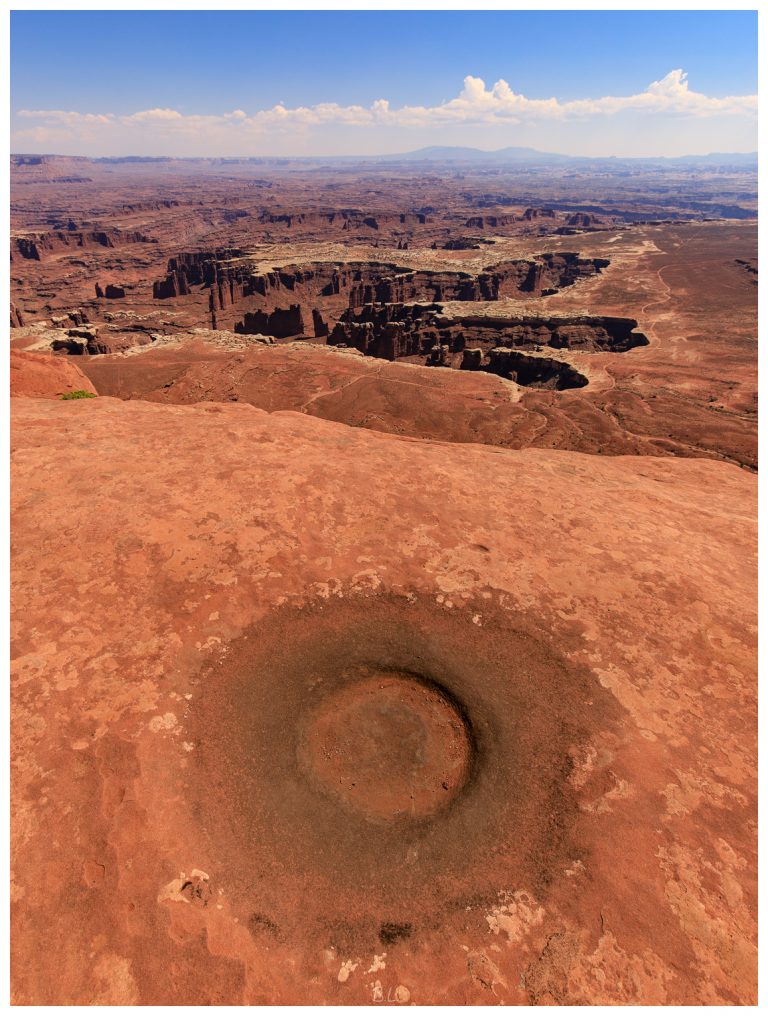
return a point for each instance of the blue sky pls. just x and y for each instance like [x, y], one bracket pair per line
[206, 66]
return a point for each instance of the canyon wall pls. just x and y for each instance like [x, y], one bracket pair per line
[238, 295]
[37, 246]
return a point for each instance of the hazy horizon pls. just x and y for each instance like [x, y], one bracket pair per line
[313, 156]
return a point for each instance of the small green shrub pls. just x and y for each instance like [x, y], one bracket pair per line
[80, 394]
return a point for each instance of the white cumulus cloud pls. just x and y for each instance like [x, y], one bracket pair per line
[476, 104]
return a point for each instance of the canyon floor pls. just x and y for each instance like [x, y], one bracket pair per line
[384, 622]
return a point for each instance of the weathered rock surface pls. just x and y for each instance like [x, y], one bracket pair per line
[409, 399]
[207, 578]
[303, 713]
[81, 341]
[44, 376]
[234, 286]
[396, 331]
[17, 318]
[281, 323]
[583, 219]
[37, 246]
[109, 292]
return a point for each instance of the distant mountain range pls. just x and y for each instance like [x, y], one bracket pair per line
[438, 153]
[532, 156]
[433, 154]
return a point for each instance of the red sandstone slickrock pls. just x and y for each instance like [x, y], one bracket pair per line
[44, 376]
[188, 579]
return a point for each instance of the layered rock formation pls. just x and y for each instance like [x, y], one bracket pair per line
[496, 221]
[109, 292]
[583, 219]
[232, 283]
[532, 371]
[281, 323]
[82, 341]
[307, 714]
[397, 331]
[37, 246]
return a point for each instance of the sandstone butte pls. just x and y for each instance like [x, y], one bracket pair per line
[193, 584]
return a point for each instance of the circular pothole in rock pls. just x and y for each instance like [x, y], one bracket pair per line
[378, 763]
[390, 747]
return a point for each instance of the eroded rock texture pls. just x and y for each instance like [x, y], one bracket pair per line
[43, 376]
[424, 334]
[341, 678]
[233, 284]
[39, 245]
[194, 634]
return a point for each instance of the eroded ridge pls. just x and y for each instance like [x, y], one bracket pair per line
[423, 334]
[299, 299]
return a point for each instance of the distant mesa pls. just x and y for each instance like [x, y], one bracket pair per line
[37, 246]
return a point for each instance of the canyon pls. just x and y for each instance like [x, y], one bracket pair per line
[231, 282]
[383, 560]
